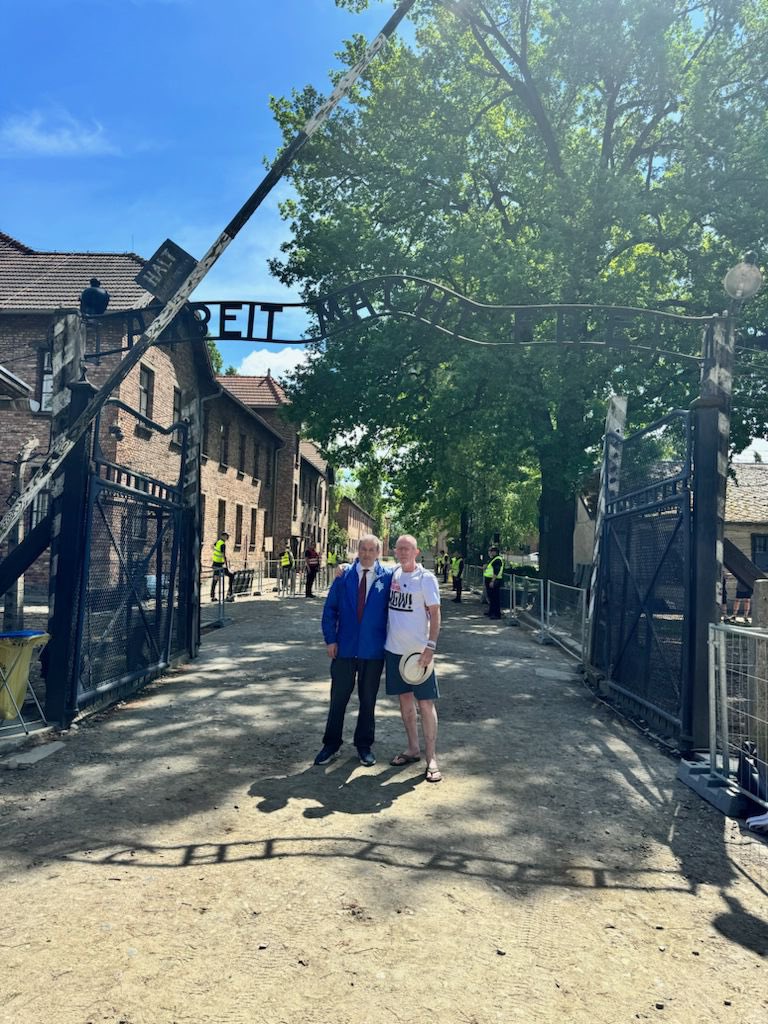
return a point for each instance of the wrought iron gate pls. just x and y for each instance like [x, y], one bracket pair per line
[642, 612]
[129, 623]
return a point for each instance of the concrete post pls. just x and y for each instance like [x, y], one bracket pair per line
[712, 424]
[70, 397]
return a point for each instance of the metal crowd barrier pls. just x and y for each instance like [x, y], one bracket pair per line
[566, 617]
[526, 597]
[738, 711]
[212, 612]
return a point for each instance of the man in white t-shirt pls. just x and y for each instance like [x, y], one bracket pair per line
[414, 622]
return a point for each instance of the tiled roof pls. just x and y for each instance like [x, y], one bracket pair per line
[258, 392]
[40, 282]
[309, 451]
[746, 498]
[359, 508]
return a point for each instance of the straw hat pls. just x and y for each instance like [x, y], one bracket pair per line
[412, 672]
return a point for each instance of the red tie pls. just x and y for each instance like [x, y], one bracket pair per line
[361, 596]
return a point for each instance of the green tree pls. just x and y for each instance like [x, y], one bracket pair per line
[216, 360]
[520, 153]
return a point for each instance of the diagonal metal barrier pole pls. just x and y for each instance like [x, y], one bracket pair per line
[67, 441]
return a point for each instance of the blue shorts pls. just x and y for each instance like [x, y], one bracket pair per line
[396, 685]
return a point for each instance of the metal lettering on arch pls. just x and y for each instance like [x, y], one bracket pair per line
[456, 315]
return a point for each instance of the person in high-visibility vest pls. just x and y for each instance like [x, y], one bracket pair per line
[287, 562]
[332, 559]
[220, 565]
[492, 574]
[457, 575]
[438, 564]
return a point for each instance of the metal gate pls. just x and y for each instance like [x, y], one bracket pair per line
[642, 613]
[128, 626]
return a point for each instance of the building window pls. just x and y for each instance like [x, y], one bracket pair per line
[202, 518]
[146, 391]
[268, 468]
[298, 450]
[178, 435]
[238, 527]
[39, 509]
[139, 511]
[256, 459]
[224, 445]
[241, 455]
[206, 432]
[254, 526]
[221, 518]
[760, 550]
[46, 380]
[295, 499]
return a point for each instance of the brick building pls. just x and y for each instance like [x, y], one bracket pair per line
[357, 522]
[746, 511]
[302, 476]
[174, 381]
[238, 473]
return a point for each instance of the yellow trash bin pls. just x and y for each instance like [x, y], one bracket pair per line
[16, 651]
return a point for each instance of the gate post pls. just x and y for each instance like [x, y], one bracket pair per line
[711, 424]
[71, 396]
[615, 421]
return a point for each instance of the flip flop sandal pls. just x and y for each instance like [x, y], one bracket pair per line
[400, 759]
[433, 775]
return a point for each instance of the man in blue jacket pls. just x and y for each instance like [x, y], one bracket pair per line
[355, 628]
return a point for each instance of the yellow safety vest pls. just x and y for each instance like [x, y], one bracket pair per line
[218, 552]
[490, 572]
[331, 558]
[455, 566]
[286, 558]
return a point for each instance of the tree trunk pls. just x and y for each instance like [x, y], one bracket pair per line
[557, 518]
[464, 541]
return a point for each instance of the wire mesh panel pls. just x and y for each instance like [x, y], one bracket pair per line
[130, 601]
[738, 700]
[131, 609]
[527, 596]
[641, 638]
[566, 615]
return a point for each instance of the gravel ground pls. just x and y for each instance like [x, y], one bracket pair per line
[180, 860]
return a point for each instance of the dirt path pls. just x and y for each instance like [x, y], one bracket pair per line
[180, 861]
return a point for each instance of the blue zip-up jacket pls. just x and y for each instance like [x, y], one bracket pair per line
[340, 626]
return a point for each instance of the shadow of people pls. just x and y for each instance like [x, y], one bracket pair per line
[738, 925]
[335, 791]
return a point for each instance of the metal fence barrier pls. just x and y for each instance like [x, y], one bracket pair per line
[738, 711]
[566, 616]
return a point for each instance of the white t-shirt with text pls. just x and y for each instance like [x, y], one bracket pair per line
[409, 596]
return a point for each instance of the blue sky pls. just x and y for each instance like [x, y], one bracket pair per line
[124, 122]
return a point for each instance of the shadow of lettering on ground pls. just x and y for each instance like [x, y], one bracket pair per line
[407, 856]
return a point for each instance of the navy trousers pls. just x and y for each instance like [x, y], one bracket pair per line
[344, 673]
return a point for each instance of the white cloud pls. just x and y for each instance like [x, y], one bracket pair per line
[278, 362]
[54, 134]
